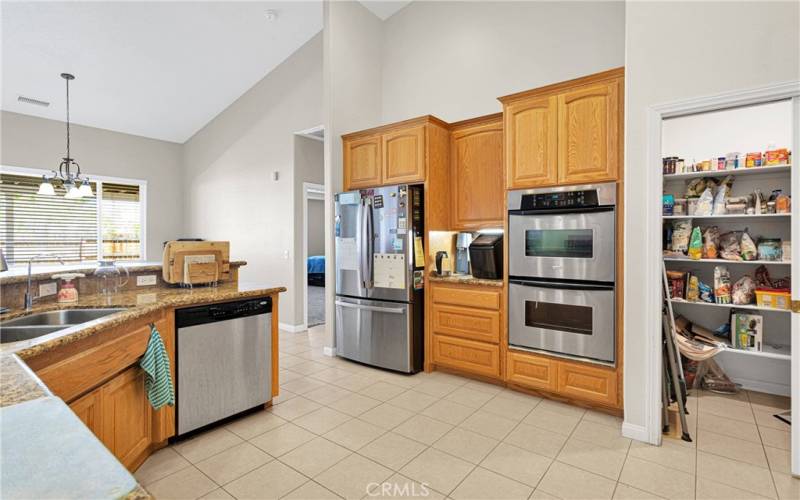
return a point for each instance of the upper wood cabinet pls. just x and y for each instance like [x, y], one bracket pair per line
[400, 153]
[476, 169]
[404, 156]
[567, 133]
[362, 162]
[530, 143]
[588, 135]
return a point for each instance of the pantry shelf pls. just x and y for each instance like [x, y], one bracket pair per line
[723, 173]
[784, 352]
[726, 261]
[728, 216]
[751, 307]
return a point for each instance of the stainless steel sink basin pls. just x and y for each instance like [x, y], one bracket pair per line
[17, 333]
[38, 324]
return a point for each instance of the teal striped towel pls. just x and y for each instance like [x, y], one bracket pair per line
[158, 379]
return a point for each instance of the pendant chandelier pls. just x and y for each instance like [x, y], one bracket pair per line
[74, 184]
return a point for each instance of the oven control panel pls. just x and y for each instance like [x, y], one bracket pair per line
[562, 199]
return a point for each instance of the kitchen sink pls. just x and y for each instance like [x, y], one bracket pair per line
[38, 324]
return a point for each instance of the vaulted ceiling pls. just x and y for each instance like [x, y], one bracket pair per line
[156, 69]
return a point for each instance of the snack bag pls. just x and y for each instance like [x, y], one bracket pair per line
[748, 247]
[729, 246]
[693, 290]
[744, 291]
[681, 231]
[706, 293]
[705, 205]
[696, 244]
[722, 285]
[710, 242]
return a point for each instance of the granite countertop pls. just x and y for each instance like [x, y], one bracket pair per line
[43, 272]
[33, 420]
[138, 303]
[465, 279]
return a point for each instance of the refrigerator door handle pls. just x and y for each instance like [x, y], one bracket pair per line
[391, 310]
[367, 242]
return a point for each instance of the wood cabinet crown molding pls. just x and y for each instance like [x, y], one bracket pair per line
[559, 87]
[389, 127]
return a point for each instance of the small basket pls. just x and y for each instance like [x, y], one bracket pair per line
[775, 298]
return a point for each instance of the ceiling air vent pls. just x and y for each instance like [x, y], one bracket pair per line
[31, 100]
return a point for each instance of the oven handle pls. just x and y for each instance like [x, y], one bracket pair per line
[561, 285]
[561, 211]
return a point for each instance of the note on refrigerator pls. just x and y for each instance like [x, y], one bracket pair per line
[389, 270]
[347, 254]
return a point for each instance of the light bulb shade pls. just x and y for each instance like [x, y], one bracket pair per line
[73, 192]
[85, 189]
[46, 188]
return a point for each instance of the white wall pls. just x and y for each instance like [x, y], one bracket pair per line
[352, 82]
[673, 53]
[316, 227]
[308, 167]
[228, 167]
[32, 142]
[748, 129]
[453, 59]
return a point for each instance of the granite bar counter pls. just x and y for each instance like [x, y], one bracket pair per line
[465, 279]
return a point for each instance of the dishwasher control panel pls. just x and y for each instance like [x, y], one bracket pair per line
[221, 312]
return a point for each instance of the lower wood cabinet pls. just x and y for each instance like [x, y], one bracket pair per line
[467, 355]
[531, 371]
[89, 409]
[468, 323]
[569, 379]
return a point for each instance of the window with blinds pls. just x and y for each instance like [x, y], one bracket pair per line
[105, 226]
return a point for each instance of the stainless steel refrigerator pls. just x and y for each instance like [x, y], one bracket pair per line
[379, 269]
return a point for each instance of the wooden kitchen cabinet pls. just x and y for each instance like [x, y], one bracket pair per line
[403, 156]
[588, 133]
[476, 168]
[531, 142]
[566, 133]
[537, 372]
[362, 162]
[89, 408]
[127, 417]
[400, 153]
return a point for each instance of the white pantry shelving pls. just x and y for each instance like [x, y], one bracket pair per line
[771, 169]
[687, 260]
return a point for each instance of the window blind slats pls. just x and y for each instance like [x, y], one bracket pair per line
[31, 224]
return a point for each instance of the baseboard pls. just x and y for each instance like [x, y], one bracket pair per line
[328, 351]
[766, 387]
[637, 432]
[292, 328]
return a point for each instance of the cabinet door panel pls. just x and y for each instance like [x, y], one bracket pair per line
[362, 162]
[588, 133]
[530, 142]
[468, 323]
[403, 156]
[530, 370]
[127, 416]
[476, 156]
[467, 355]
[587, 383]
[467, 297]
[89, 409]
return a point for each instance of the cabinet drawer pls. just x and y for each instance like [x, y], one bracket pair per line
[485, 299]
[468, 323]
[531, 370]
[467, 355]
[587, 382]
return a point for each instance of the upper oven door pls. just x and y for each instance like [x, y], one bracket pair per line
[576, 245]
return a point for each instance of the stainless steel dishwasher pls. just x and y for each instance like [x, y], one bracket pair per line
[223, 361]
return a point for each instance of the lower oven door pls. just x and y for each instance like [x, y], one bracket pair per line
[572, 319]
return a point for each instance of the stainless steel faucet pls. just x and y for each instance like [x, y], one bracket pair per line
[29, 299]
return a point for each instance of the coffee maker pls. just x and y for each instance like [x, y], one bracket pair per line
[463, 241]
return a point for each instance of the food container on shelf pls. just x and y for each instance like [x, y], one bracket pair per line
[774, 298]
[691, 205]
[680, 207]
[769, 249]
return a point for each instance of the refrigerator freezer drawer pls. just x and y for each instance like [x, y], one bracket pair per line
[376, 333]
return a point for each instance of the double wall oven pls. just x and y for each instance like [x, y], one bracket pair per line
[562, 265]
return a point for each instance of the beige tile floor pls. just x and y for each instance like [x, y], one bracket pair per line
[342, 430]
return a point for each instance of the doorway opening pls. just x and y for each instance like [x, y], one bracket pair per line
[314, 253]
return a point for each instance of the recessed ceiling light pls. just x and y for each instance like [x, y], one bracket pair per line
[271, 14]
[31, 100]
